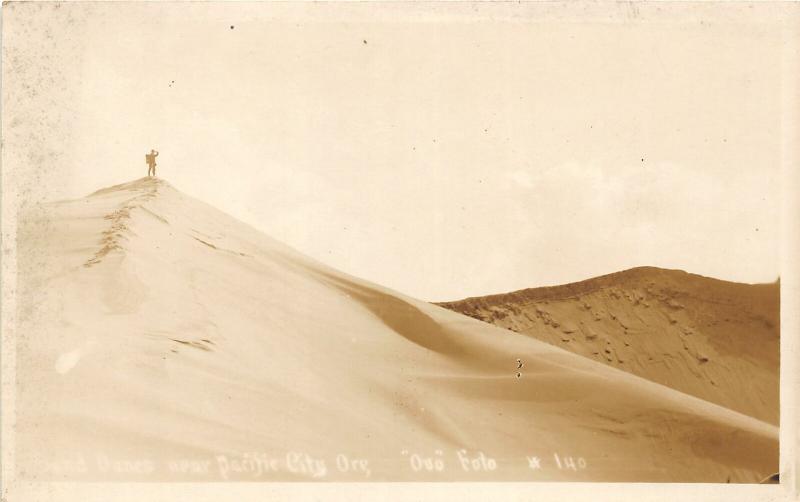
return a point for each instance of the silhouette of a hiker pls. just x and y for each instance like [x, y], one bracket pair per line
[150, 158]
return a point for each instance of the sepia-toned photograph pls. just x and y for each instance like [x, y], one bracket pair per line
[490, 250]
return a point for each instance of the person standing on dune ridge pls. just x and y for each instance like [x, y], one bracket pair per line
[150, 158]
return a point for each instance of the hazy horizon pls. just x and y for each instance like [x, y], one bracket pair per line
[444, 160]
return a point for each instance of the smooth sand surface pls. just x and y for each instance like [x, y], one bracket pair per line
[160, 339]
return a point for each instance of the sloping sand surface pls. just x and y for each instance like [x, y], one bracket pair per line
[161, 339]
[714, 339]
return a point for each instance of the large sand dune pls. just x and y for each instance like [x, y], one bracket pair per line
[153, 328]
[713, 339]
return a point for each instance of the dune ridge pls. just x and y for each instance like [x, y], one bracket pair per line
[161, 339]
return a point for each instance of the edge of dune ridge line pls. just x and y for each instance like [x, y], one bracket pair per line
[149, 188]
[139, 183]
[593, 284]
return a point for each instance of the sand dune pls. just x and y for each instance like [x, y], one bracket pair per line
[160, 339]
[714, 339]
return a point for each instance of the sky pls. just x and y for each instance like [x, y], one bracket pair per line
[444, 150]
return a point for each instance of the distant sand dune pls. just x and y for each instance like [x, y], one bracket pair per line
[713, 339]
